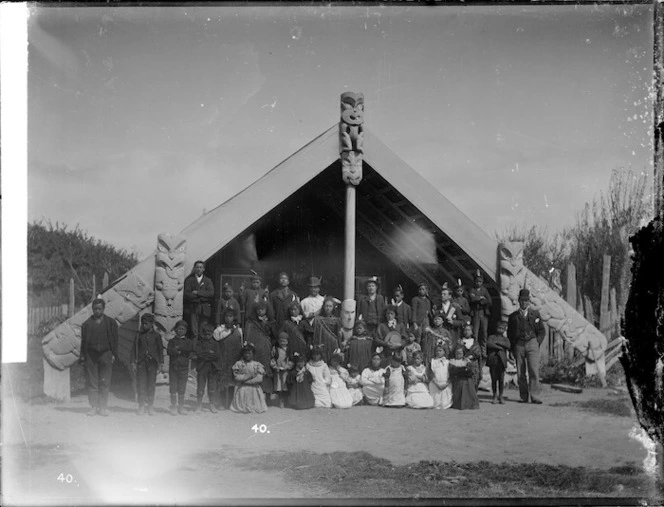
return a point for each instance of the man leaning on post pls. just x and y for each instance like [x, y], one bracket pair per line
[526, 331]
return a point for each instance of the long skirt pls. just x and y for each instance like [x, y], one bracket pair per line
[339, 395]
[249, 399]
[464, 396]
[417, 396]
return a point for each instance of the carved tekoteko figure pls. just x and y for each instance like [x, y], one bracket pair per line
[512, 277]
[351, 134]
[169, 281]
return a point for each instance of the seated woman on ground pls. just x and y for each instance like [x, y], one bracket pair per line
[373, 381]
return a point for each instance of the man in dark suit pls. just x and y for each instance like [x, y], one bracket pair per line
[198, 296]
[371, 306]
[525, 331]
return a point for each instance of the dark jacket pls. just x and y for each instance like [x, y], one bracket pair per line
[280, 303]
[148, 346]
[180, 350]
[88, 341]
[199, 303]
[363, 307]
[231, 303]
[477, 304]
[520, 330]
[497, 346]
[208, 351]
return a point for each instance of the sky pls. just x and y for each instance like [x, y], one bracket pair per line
[139, 119]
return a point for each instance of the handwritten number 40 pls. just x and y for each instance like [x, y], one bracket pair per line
[260, 429]
[69, 478]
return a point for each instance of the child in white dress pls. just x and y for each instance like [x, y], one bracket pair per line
[321, 375]
[373, 381]
[394, 383]
[339, 394]
[353, 382]
[440, 386]
[417, 395]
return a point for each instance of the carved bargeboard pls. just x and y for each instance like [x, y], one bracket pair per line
[553, 309]
[351, 137]
[123, 301]
[169, 280]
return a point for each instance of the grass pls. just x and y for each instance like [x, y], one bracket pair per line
[619, 407]
[361, 475]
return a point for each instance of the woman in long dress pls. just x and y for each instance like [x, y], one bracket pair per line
[295, 327]
[339, 394]
[440, 387]
[373, 381]
[327, 330]
[417, 394]
[259, 331]
[248, 375]
[395, 383]
[463, 385]
[321, 375]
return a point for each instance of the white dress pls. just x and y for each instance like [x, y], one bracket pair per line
[442, 398]
[373, 385]
[417, 395]
[354, 388]
[395, 396]
[339, 394]
[320, 387]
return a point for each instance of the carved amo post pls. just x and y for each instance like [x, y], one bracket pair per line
[351, 132]
[169, 281]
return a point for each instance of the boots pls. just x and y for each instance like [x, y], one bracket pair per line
[141, 410]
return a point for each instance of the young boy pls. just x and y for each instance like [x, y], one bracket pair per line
[403, 310]
[227, 301]
[208, 366]
[480, 309]
[452, 316]
[410, 349]
[421, 307]
[498, 346]
[147, 359]
[281, 298]
[179, 351]
[252, 296]
[461, 301]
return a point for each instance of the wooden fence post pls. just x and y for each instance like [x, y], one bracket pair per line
[589, 312]
[94, 287]
[571, 285]
[604, 312]
[104, 282]
[615, 318]
[72, 307]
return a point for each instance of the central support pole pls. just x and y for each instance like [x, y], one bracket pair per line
[351, 134]
[349, 258]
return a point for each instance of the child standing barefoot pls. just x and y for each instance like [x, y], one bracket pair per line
[179, 349]
[280, 366]
[497, 347]
[248, 374]
[339, 394]
[373, 381]
[321, 375]
[394, 383]
[300, 396]
[418, 395]
[353, 382]
[147, 359]
[208, 365]
[439, 387]
[229, 337]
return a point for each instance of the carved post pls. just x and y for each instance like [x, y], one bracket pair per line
[104, 282]
[169, 281]
[351, 133]
[512, 276]
[72, 299]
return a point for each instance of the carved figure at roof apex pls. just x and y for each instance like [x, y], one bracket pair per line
[351, 136]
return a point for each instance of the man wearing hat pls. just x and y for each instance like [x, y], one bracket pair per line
[480, 308]
[227, 301]
[198, 296]
[280, 299]
[525, 331]
[371, 306]
[312, 304]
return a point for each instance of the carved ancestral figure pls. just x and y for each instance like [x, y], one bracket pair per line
[512, 276]
[351, 137]
[169, 280]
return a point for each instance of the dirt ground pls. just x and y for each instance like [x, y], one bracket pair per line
[54, 454]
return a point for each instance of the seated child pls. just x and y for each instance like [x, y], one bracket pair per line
[439, 387]
[434, 335]
[463, 385]
[229, 337]
[497, 347]
[417, 395]
[280, 366]
[404, 313]
[248, 375]
[373, 381]
[179, 351]
[339, 394]
[299, 380]
[147, 359]
[353, 382]
[359, 347]
[408, 350]
[391, 335]
[208, 366]
[321, 375]
[394, 383]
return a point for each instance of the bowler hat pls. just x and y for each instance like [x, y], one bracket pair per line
[524, 294]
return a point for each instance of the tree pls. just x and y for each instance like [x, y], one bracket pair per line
[56, 254]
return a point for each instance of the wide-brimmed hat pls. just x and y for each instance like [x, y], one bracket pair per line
[314, 282]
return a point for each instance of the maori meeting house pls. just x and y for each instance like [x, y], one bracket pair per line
[344, 207]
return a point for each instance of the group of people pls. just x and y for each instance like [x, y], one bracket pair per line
[296, 353]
